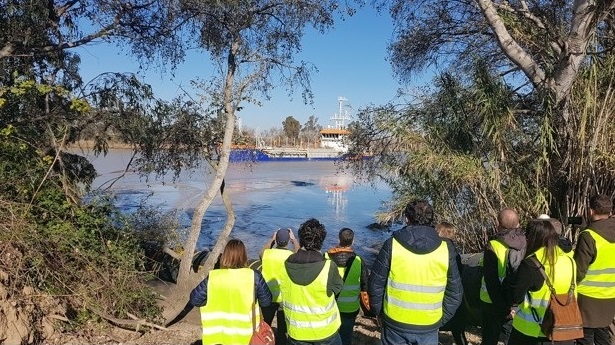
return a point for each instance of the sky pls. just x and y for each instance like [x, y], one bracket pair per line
[351, 59]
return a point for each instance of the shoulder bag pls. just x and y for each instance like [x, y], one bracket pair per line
[562, 320]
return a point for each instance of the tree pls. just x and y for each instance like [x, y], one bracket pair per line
[250, 42]
[310, 131]
[292, 127]
[538, 50]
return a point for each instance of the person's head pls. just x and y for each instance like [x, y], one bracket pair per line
[312, 234]
[541, 233]
[282, 236]
[346, 236]
[557, 225]
[234, 255]
[446, 230]
[600, 207]
[508, 219]
[419, 212]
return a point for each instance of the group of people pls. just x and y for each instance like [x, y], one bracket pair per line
[515, 293]
[414, 286]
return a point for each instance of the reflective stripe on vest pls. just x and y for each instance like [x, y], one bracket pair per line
[224, 322]
[310, 314]
[599, 281]
[348, 299]
[416, 285]
[525, 320]
[501, 252]
[273, 265]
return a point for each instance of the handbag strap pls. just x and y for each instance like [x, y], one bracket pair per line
[548, 282]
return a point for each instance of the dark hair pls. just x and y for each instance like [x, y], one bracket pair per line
[601, 204]
[234, 255]
[346, 237]
[312, 234]
[541, 233]
[419, 212]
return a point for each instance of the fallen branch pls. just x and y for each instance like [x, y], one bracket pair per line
[136, 323]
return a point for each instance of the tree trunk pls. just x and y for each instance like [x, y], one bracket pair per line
[185, 280]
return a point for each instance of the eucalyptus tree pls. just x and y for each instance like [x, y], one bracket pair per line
[537, 53]
[252, 45]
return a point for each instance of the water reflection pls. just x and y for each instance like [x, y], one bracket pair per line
[265, 196]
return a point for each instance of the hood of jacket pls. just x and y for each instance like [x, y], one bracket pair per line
[341, 255]
[513, 238]
[304, 266]
[604, 227]
[419, 239]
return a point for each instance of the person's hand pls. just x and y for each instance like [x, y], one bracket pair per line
[512, 313]
[292, 236]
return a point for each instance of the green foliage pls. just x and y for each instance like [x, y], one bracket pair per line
[465, 146]
[292, 127]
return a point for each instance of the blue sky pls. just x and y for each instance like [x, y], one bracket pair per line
[351, 59]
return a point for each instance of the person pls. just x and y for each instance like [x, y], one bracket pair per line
[563, 241]
[226, 305]
[446, 230]
[527, 287]
[456, 324]
[414, 285]
[272, 259]
[308, 285]
[354, 274]
[501, 255]
[595, 258]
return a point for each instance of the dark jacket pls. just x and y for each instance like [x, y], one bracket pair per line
[419, 240]
[515, 240]
[198, 296]
[305, 265]
[344, 257]
[596, 312]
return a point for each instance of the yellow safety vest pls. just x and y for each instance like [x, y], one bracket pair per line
[527, 321]
[310, 314]
[501, 252]
[273, 265]
[226, 318]
[416, 285]
[348, 298]
[599, 281]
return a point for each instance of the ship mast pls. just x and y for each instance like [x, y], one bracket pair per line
[340, 118]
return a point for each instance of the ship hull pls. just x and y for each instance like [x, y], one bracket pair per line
[262, 155]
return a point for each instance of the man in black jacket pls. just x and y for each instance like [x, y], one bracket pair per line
[502, 256]
[415, 286]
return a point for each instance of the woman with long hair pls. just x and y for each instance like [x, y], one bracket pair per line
[225, 298]
[528, 288]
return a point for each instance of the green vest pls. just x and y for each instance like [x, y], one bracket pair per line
[226, 318]
[528, 322]
[273, 264]
[599, 281]
[416, 285]
[310, 314]
[348, 298]
[501, 251]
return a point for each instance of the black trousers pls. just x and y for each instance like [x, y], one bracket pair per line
[495, 325]
[597, 336]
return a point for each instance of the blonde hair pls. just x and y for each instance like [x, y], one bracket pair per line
[446, 230]
[234, 255]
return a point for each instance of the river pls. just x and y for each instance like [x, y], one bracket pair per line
[265, 196]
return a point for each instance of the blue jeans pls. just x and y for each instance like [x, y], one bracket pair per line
[347, 327]
[332, 340]
[392, 336]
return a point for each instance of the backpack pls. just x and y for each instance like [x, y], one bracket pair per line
[562, 320]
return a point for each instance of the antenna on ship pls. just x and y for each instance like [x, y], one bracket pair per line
[342, 115]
